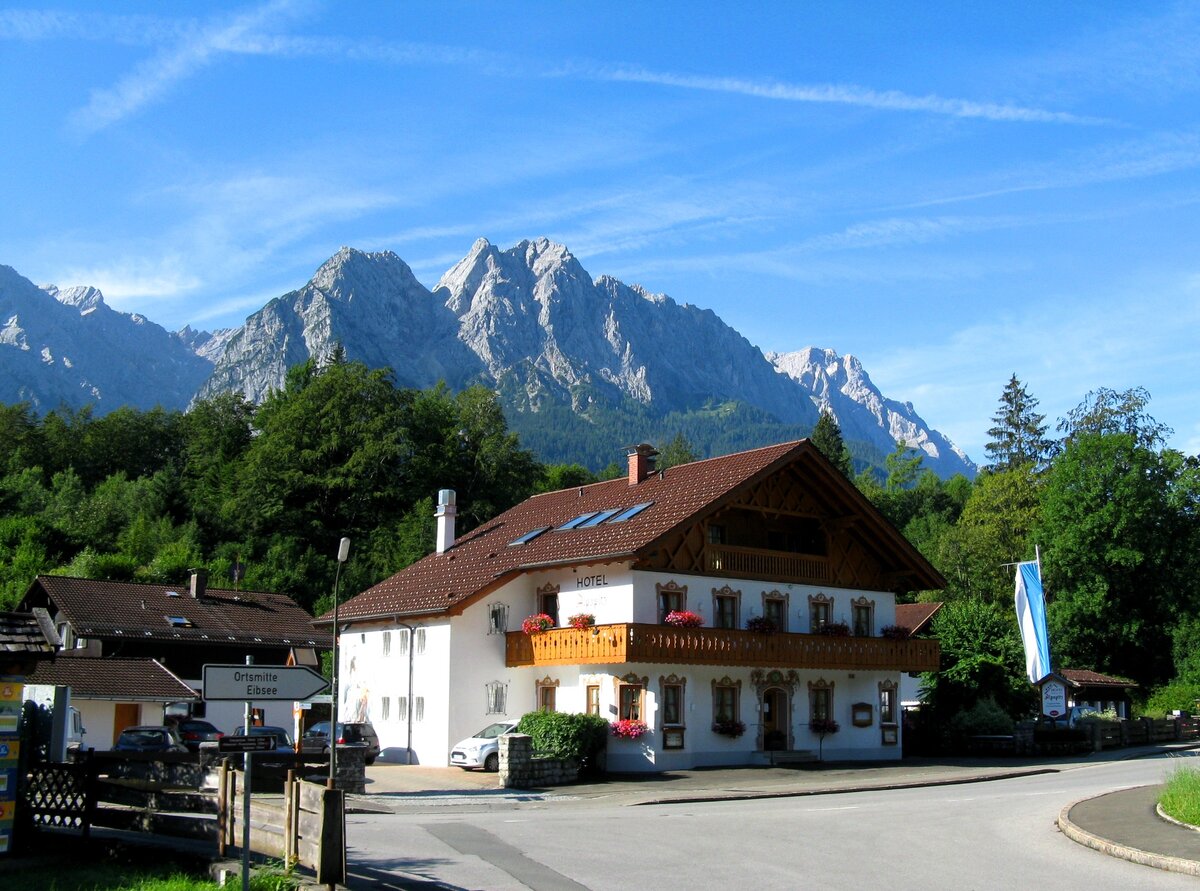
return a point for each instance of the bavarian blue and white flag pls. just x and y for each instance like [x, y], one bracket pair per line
[1031, 617]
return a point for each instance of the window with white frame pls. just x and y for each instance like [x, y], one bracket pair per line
[671, 598]
[402, 641]
[387, 643]
[419, 710]
[385, 708]
[775, 609]
[863, 611]
[496, 693]
[820, 610]
[402, 708]
[420, 641]
[725, 607]
[725, 701]
[820, 701]
[671, 689]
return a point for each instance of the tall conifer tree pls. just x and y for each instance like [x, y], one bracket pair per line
[1019, 436]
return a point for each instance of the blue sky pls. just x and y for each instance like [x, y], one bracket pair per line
[951, 192]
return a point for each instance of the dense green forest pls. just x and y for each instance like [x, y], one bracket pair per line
[341, 451]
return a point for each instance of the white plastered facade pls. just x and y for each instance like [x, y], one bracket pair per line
[460, 664]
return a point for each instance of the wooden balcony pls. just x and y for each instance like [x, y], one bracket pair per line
[755, 563]
[616, 644]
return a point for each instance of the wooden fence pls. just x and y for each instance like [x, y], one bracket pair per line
[304, 825]
[185, 796]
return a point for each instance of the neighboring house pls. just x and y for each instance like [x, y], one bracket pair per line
[917, 618]
[127, 629]
[110, 693]
[435, 652]
[1101, 691]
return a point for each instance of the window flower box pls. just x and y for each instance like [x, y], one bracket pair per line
[761, 624]
[582, 621]
[628, 728]
[682, 618]
[732, 729]
[536, 624]
[895, 632]
[834, 629]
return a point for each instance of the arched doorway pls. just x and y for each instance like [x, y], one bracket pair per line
[775, 719]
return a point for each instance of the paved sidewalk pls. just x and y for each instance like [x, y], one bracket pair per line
[1126, 824]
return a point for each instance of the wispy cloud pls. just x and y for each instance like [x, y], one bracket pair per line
[152, 79]
[838, 94]
[1154, 155]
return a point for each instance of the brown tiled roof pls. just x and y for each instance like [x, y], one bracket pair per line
[483, 559]
[27, 633]
[915, 616]
[131, 680]
[119, 610]
[1082, 677]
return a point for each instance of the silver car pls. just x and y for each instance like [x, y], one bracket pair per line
[482, 749]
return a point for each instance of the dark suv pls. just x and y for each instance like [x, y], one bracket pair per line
[316, 738]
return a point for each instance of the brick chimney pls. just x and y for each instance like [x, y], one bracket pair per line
[199, 583]
[641, 461]
[447, 510]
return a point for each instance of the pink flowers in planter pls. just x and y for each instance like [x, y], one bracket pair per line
[537, 624]
[682, 618]
[582, 620]
[628, 728]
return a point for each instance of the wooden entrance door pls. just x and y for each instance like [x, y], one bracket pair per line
[125, 714]
[774, 720]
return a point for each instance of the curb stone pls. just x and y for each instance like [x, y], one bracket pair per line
[1135, 855]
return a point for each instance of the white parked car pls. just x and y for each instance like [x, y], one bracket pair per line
[482, 749]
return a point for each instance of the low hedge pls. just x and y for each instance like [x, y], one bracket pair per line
[568, 736]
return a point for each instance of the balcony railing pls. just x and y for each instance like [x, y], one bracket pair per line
[758, 563]
[609, 644]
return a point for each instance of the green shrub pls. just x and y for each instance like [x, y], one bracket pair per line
[557, 734]
[1180, 795]
[1171, 697]
[984, 717]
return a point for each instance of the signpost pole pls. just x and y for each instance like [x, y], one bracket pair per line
[247, 760]
[342, 555]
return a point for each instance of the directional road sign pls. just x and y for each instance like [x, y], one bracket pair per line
[261, 743]
[257, 683]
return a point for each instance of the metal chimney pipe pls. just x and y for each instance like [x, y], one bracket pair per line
[447, 510]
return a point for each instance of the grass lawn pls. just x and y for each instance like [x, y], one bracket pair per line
[76, 865]
[1180, 796]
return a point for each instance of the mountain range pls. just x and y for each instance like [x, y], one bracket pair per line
[583, 366]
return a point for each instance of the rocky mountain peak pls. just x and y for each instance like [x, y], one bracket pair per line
[82, 297]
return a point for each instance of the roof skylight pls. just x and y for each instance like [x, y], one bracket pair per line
[577, 521]
[630, 512]
[178, 621]
[528, 536]
[598, 518]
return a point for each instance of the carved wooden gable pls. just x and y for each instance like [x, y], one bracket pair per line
[781, 529]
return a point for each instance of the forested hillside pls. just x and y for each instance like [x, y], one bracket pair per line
[341, 451]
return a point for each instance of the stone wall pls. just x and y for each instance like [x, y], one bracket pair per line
[521, 769]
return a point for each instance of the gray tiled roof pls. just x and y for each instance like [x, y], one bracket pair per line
[129, 680]
[104, 609]
[27, 633]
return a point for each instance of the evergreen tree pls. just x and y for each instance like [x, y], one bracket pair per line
[677, 451]
[827, 437]
[1019, 436]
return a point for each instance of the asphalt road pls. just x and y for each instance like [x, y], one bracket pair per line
[999, 834]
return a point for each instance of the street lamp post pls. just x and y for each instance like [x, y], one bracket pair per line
[342, 555]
